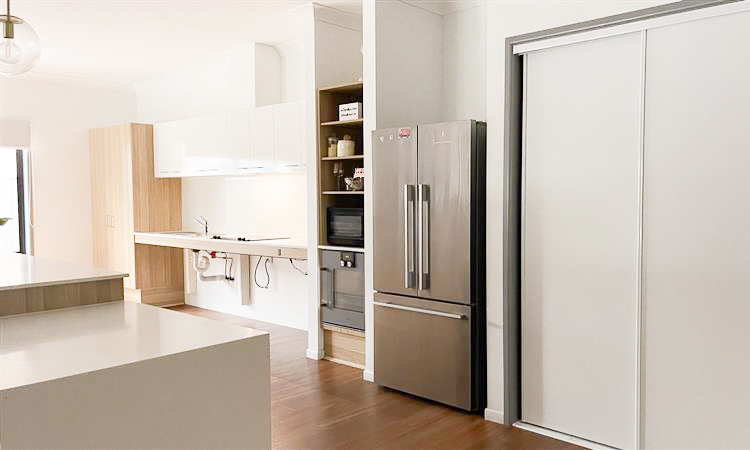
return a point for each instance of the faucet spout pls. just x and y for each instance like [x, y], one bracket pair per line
[203, 222]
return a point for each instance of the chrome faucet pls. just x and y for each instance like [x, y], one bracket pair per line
[203, 223]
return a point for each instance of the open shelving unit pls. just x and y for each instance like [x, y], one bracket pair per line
[341, 344]
[331, 191]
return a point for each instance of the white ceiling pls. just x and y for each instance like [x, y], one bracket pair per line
[130, 41]
[444, 7]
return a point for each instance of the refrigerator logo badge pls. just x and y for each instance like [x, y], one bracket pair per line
[404, 132]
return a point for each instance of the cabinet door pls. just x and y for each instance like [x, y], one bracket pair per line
[262, 140]
[580, 239]
[178, 148]
[696, 250]
[162, 149]
[302, 136]
[287, 136]
[238, 141]
[216, 144]
[196, 146]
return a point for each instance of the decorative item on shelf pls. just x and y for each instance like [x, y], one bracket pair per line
[350, 111]
[338, 173]
[357, 182]
[346, 146]
[19, 45]
[332, 145]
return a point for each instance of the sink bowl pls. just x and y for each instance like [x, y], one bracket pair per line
[179, 233]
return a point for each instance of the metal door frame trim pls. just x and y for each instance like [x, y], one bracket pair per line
[512, 167]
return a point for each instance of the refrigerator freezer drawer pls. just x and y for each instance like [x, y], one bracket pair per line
[423, 347]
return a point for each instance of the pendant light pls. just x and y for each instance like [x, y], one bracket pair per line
[19, 45]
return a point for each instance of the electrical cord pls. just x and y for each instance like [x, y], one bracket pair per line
[291, 261]
[268, 277]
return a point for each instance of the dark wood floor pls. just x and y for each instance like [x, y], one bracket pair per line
[324, 405]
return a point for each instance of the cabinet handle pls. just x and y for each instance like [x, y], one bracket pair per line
[243, 168]
[421, 311]
[258, 167]
[292, 165]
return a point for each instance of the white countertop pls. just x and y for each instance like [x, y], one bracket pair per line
[49, 345]
[284, 248]
[18, 271]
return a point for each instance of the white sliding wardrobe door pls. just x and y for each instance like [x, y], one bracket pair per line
[696, 297]
[581, 239]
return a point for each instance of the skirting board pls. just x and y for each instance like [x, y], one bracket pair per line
[314, 354]
[341, 361]
[368, 375]
[562, 436]
[494, 415]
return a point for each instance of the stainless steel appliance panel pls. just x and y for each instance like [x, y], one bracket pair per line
[342, 289]
[394, 195]
[444, 211]
[423, 347]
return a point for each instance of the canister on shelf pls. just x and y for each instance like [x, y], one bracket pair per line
[332, 145]
[346, 146]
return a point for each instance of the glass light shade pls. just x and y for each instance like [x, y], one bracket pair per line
[19, 53]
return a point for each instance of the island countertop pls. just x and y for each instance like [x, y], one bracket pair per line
[50, 345]
[18, 271]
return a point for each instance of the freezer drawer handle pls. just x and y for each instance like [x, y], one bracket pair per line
[423, 246]
[420, 310]
[409, 274]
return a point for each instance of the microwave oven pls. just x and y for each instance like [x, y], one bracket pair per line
[346, 226]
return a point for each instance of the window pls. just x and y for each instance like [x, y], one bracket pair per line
[14, 235]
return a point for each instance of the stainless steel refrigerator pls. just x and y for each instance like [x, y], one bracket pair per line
[429, 261]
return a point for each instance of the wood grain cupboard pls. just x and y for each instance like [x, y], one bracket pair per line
[128, 197]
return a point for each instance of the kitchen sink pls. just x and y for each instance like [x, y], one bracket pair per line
[179, 233]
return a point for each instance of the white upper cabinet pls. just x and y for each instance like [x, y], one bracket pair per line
[216, 145]
[258, 140]
[287, 125]
[262, 139]
[238, 142]
[178, 149]
[196, 146]
[162, 149]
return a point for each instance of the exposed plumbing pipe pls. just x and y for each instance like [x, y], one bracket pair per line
[201, 262]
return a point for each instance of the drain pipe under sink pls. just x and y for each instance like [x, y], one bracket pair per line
[201, 262]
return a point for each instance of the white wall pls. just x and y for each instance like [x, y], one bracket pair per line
[506, 19]
[465, 64]
[268, 204]
[61, 113]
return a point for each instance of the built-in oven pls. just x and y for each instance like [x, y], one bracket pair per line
[346, 226]
[342, 286]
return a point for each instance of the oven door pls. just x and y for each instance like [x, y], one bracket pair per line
[342, 296]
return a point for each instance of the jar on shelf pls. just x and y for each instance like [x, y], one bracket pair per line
[332, 145]
[346, 146]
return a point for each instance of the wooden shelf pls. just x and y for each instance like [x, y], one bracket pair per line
[343, 192]
[341, 248]
[334, 123]
[341, 158]
[355, 87]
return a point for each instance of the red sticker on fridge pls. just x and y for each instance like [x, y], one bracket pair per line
[404, 132]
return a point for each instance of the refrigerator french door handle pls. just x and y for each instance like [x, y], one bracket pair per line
[409, 272]
[423, 246]
[420, 310]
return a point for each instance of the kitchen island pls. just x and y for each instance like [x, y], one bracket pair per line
[30, 283]
[128, 375]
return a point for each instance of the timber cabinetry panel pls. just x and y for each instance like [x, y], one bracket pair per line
[127, 197]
